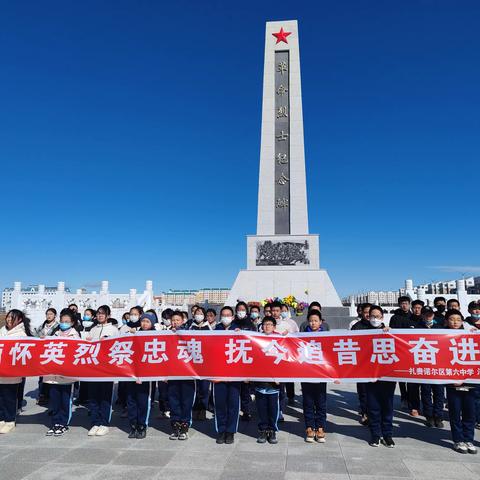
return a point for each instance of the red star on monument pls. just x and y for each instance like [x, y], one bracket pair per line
[281, 35]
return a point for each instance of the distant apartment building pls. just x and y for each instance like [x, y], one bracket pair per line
[189, 297]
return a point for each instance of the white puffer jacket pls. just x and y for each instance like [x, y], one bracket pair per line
[58, 379]
[101, 331]
[18, 331]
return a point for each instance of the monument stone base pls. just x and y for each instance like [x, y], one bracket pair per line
[305, 285]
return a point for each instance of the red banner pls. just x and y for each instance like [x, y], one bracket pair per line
[438, 356]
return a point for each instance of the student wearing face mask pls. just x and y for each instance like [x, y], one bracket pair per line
[189, 321]
[431, 394]
[139, 393]
[88, 319]
[200, 407]
[255, 315]
[134, 317]
[287, 324]
[474, 314]
[440, 305]
[100, 394]
[61, 388]
[379, 393]
[242, 321]
[181, 394]
[226, 395]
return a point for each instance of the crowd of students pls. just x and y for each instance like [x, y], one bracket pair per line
[185, 400]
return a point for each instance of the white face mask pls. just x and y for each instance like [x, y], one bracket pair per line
[87, 323]
[167, 322]
[134, 318]
[226, 321]
[199, 318]
[241, 314]
[375, 322]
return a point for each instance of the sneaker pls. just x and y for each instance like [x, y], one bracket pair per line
[221, 438]
[460, 447]
[7, 427]
[429, 422]
[272, 437]
[102, 430]
[141, 432]
[414, 413]
[388, 442]
[374, 442]
[438, 423]
[51, 431]
[471, 448]
[183, 434]
[175, 431]
[310, 435]
[320, 435]
[364, 419]
[59, 430]
[229, 438]
[93, 431]
[133, 431]
[246, 417]
[262, 436]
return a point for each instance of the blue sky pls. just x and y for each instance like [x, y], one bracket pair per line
[130, 137]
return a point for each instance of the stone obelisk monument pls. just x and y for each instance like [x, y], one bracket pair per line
[283, 258]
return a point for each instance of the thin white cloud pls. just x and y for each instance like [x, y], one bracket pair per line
[458, 269]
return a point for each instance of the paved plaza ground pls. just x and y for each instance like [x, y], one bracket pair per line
[421, 453]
